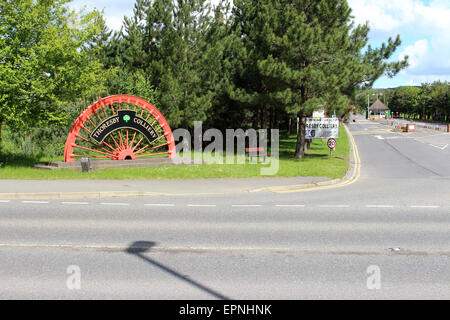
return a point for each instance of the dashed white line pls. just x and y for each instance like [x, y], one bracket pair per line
[35, 202]
[114, 204]
[202, 205]
[75, 203]
[290, 205]
[4, 201]
[335, 206]
[246, 205]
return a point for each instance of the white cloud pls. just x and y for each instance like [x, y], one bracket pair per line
[389, 15]
[377, 16]
[424, 28]
[416, 52]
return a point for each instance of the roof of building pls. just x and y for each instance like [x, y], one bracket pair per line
[378, 105]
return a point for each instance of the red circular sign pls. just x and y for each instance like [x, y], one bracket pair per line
[331, 143]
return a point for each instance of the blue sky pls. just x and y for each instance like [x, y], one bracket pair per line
[423, 25]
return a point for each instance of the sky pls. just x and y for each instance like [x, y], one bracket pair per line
[423, 25]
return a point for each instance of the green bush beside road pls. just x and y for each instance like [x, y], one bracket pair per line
[317, 163]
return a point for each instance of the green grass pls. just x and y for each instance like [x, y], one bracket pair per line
[316, 163]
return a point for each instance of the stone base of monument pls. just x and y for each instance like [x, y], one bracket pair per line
[109, 164]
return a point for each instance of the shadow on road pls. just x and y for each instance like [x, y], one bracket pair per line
[138, 249]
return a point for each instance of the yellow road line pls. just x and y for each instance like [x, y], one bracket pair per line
[355, 175]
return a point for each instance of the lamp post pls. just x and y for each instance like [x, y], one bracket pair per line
[368, 103]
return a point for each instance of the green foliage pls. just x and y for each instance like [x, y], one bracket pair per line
[300, 56]
[430, 102]
[316, 163]
[45, 61]
[251, 64]
[169, 45]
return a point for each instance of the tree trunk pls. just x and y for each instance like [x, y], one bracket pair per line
[256, 118]
[271, 118]
[300, 148]
[263, 117]
[307, 144]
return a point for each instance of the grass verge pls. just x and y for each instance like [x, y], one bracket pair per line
[316, 163]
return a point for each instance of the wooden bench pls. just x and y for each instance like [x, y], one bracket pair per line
[256, 152]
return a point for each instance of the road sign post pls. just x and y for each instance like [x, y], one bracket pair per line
[332, 145]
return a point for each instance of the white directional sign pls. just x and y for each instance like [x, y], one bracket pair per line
[319, 114]
[323, 128]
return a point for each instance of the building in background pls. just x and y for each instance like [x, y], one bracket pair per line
[379, 110]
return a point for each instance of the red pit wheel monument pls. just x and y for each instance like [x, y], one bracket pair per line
[121, 127]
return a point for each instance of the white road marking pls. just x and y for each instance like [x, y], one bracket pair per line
[4, 201]
[441, 148]
[75, 203]
[335, 206]
[159, 205]
[201, 205]
[379, 137]
[114, 204]
[379, 206]
[246, 205]
[35, 202]
[290, 205]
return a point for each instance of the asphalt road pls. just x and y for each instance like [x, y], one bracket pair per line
[306, 245]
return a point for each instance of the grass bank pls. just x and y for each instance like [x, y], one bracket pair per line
[316, 163]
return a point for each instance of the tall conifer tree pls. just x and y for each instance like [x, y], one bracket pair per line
[303, 55]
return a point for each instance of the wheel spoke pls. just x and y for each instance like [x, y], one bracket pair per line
[92, 150]
[84, 139]
[137, 145]
[89, 156]
[104, 110]
[132, 141]
[115, 142]
[152, 148]
[140, 150]
[84, 128]
[120, 139]
[89, 118]
[100, 119]
[108, 145]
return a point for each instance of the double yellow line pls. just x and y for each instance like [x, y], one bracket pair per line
[353, 178]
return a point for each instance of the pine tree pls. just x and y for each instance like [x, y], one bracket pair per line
[302, 55]
[165, 41]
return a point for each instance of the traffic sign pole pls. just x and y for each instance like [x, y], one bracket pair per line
[332, 145]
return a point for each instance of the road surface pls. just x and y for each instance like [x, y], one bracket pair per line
[322, 244]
